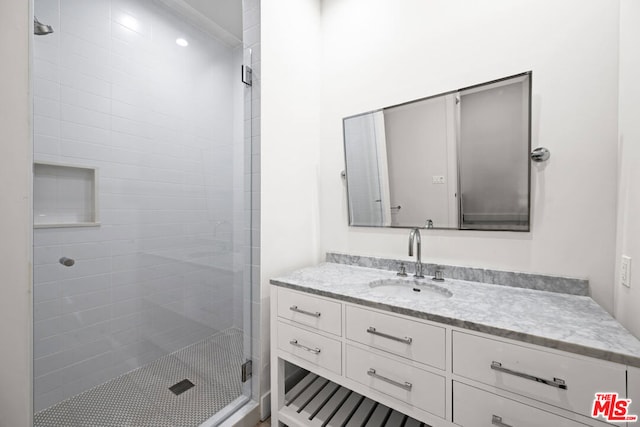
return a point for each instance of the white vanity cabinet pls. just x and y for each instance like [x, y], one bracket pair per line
[564, 381]
[316, 349]
[416, 341]
[435, 373]
[393, 360]
[407, 383]
[633, 388]
[316, 313]
[479, 408]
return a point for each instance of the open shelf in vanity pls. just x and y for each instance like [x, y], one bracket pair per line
[318, 402]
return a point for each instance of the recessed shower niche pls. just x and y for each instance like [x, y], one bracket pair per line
[64, 196]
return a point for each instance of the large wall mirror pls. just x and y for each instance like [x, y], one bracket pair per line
[458, 160]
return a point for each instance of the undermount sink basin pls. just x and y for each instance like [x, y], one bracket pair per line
[406, 287]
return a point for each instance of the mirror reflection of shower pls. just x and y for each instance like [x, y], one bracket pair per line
[40, 29]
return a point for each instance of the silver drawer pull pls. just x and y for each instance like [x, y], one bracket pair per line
[308, 313]
[497, 421]
[304, 347]
[556, 382]
[372, 330]
[406, 386]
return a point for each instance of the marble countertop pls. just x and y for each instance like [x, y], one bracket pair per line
[571, 323]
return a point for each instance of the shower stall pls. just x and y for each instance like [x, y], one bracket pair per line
[142, 213]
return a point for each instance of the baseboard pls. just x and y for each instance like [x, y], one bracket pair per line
[265, 406]
[247, 416]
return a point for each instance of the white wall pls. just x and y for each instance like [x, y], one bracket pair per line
[289, 145]
[628, 243]
[15, 215]
[378, 53]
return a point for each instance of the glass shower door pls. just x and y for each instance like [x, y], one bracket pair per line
[141, 301]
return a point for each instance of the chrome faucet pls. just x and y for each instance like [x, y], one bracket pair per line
[415, 235]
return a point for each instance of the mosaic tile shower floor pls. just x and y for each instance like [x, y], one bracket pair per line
[141, 398]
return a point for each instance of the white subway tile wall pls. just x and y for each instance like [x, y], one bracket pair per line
[164, 125]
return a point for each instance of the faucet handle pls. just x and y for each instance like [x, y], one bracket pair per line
[403, 270]
[439, 274]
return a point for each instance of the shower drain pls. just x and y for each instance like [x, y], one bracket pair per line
[182, 386]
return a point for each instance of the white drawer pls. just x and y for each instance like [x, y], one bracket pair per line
[404, 382]
[310, 311]
[477, 408]
[414, 340]
[523, 369]
[322, 351]
[633, 385]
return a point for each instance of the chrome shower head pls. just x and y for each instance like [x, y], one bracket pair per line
[40, 29]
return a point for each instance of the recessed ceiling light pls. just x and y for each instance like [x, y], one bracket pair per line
[182, 42]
